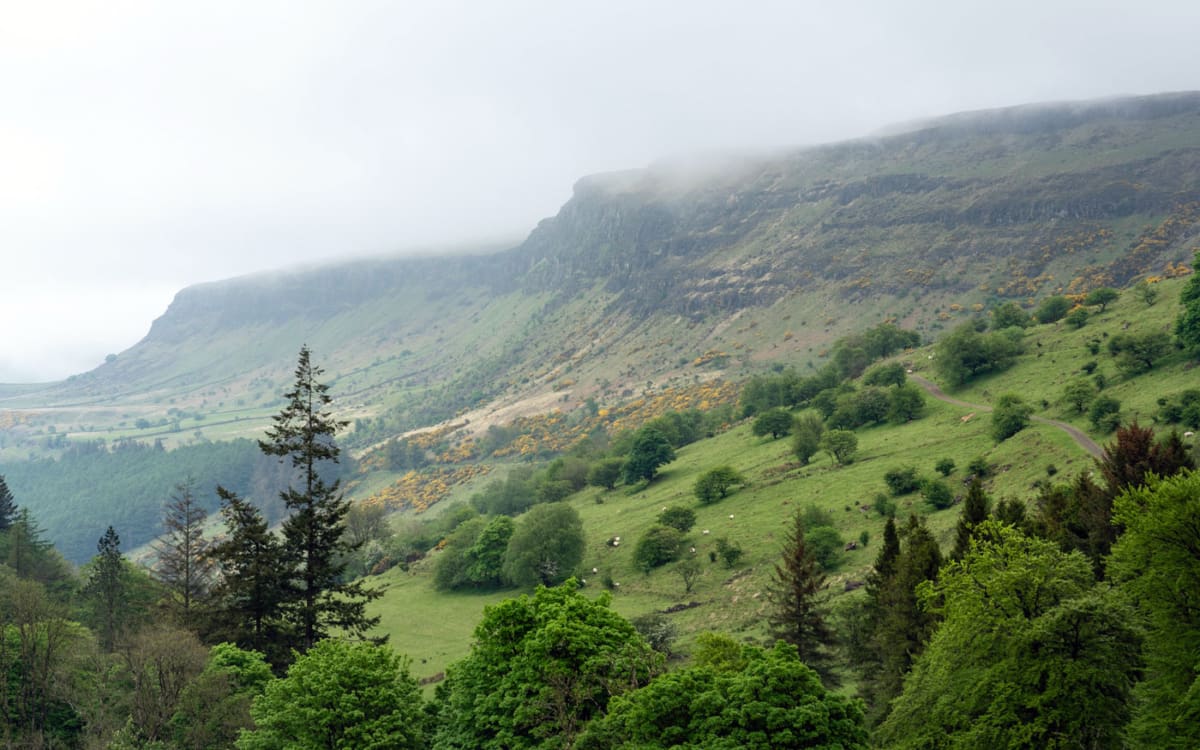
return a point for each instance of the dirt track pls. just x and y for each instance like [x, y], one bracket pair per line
[1085, 442]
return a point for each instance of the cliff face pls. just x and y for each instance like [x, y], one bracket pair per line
[1015, 203]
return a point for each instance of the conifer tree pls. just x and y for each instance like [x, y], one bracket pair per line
[183, 562]
[8, 507]
[902, 627]
[250, 594]
[799, 614]
[303, 432]
[974, 512]
[107, 589]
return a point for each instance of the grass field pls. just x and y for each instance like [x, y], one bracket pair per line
[435, 628]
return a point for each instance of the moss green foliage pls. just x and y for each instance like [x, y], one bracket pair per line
[1138, 353]
[937, 493]
[1102, 296]
[714, 484]
[944, 466]
[541, 666]
[774, 422]
[1157, 560]
[1187, 325]
[473, 556]
[215, 707]
[1027, 655]
[658, 546]
[650, 450]
[1052, 309]
[841, 445]
[826, 545]
[606, 472]
[1077, 318]
[546, 547]
[869, 405]
[339, 695]
[807, 438]
[1104, 413]
[678, 518]
[891, 373]
[729, 552]
[1010, 416]
[1182, 408]
[902, 480]
[766, 698]
[1078, 393]
[905, 403]
[1009, 315]
[965, 352]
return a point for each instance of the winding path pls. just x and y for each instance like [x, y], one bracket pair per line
[1085, 442]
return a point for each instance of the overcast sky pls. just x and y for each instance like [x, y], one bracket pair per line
[146, 146]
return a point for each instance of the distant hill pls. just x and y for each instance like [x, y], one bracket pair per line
[665, 275]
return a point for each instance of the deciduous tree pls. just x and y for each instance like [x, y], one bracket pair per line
[765, 699]
[340, 695]
[541, 667]
[650, 450]
[546, 547]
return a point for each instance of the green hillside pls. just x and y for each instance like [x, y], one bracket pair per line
[435, 627]
[664, 277]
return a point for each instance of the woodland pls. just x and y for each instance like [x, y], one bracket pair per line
[882, 444]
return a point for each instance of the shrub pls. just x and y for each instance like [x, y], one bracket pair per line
[938, 493]
[658, 546]
[1010, 416]
[682, 519]
[807, 438]
[979, 467]
[902, 481]
[714, 484]
[1105, 413]
[841, 445]
[606, 472]
[944, 466]
[884, 505]
[1077, 318]
[1052, 309]
[826, 545]
[729, 552]
[813, 516]
[774, 422]
[658, 631]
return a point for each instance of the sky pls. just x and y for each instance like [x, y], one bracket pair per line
[148, 146]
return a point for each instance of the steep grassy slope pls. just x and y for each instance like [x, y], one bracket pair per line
[663, 276]
[435, 628]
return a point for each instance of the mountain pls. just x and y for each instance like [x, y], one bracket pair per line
[681, 271]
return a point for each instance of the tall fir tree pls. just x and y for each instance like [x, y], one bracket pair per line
[902, 626]
[314, 531]
[107, 589]
[798, 616]
[8, 506]
[183, 562]
[974, 512]
[249, 596]
[860, 620]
